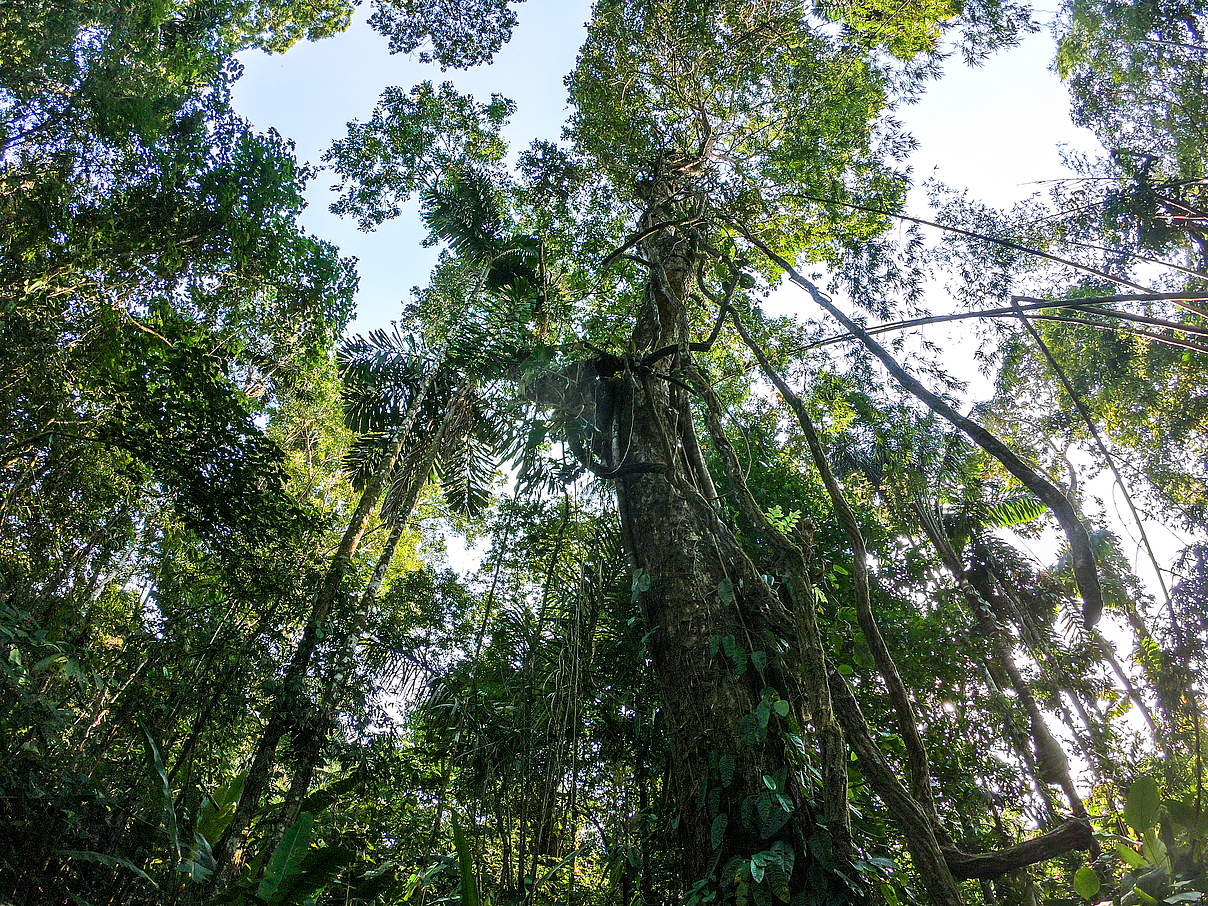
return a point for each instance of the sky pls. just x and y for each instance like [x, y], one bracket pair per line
[311, 92]
[997, 131]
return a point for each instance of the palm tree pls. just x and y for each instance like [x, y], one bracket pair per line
[416, 411]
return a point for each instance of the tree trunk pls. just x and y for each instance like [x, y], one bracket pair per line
[715, 626]
[702, 642]
[729, 684]
[978, 591]
[228, 851]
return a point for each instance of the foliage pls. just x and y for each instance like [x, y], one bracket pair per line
[752, 622]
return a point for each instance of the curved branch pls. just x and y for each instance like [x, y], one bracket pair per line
[1074, 834]
[916, 751]
[1085, 571]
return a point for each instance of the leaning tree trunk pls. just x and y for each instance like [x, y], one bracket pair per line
[978, 591]
[228, 852]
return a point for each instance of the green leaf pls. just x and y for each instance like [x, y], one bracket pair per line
[641, 582]
[1143, 806]
[218, 808]
[1130, 856]
[725, 591]
[1086, 882]
[735, 653]
[718, 832]
[1153, 848]
[561, 864]
[763, 712]
[784, 853]
[199, 864]
[382, 884]
[465, 865]
[757, 869]
[286, 859]
[781, 707]
[159, 777]
[109, 861]
[316, 870]
[726, 766]
[1014, 510]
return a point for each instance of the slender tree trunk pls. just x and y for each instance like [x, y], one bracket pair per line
[228, 850]
[1051, 759]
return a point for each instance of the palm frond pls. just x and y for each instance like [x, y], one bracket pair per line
[1012, 510]
[467, 470]
[382, 373]
[462, 210]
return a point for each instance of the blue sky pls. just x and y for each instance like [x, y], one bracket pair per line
[311, 92]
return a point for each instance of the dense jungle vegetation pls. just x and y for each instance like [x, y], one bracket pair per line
[767, 612]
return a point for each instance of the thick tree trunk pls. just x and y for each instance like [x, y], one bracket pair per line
[717, 630]
[702, 642]
[729, 655]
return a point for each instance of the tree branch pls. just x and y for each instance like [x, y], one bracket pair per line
[1086, 572]
[1073, 835]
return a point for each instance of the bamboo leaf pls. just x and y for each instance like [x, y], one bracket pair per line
[465, 865]
[159, 777]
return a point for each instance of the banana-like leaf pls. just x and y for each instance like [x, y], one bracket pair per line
[318, 868]
[286, 860]
[218, 808]
[199, 863]
[465, 865]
